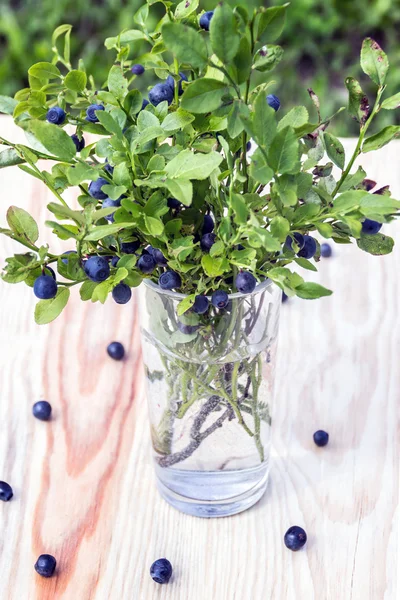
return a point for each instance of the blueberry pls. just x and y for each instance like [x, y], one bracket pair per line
[245, 282]
[108, 168]
[285, 297]
[42, 410]
[200, 305]
[116, 350]
[171, 82]
[161, 92]
[161, 570]
[79, 142]
[114, 261]
[170, 280]
[65, 260]
[295, 538]
[205, 20]
[207, 241]
[91, 112]
[208, 225]
[137, 69]
[173, 203]
[97, 268]
[55, 115]
[6, 492]
[146, 263]
[130, 247]
[298, 238]
[220, 299]
[95, 188]
[50, 270]
[321, 438]
[248, 146]
[122, 293]
[309, 248]
[371, 227]
[273, 102]
[158, 256]
[45, 287]
[45, 565]
[144, 103]
[326, 250]
[187, 329]
[108, 203]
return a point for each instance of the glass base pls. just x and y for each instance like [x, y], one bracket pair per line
[212, 493]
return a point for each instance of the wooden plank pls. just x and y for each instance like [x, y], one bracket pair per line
[83, 484]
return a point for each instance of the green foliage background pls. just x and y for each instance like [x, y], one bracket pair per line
[322, 40]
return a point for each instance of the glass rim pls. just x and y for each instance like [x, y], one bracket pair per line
[260, 287]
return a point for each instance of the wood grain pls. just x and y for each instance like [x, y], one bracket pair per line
[83, 484]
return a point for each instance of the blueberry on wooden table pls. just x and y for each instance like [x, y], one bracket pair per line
[6, 492]
[295, 538]
[45, 565]
[161, 570]
[42, 410]
[116, 350]
[326, 250]
[321, 438]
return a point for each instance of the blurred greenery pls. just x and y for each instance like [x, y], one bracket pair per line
[322, 41]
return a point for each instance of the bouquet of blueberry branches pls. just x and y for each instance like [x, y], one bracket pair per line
[167, 189]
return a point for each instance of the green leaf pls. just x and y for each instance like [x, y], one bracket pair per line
[103, 231]
[224, 35]
[185, 304]
[348, 201]
[75, 80]
[242, 61]
[48, 310]
[114, 191]
[186, 8]
[305, 264]
[186, 44]
[64, 212]
[22, 224]
[334, 149]
[235, 124]
[65, 28]
[121, 175]
[280, 228]
[154, 226]
[203, 95]
[380, 139]
[87, 289]
[374, 61]
[283, 155]
[9, 158]
[177, 120]
[214, 267]
[117, 84]
[44, 70]
[389, 104]
[239, 208]
[264, 121]
[126, 37]
[352, 181]
[259, 169]
[377, 244]
[109, 123]
[7, 105]
[217, 248]
[270, 23]
[188, 165]
[268, 57]
[181, 189]
[374, 204]
[141, 15]
[309, 291]
[54, 139]
[133, 102]
[81, 172]
[358, 101]
[297, 117]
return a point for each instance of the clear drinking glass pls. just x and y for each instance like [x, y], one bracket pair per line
[209, 386]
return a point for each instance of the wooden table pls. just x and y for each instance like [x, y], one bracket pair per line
[83, 483]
